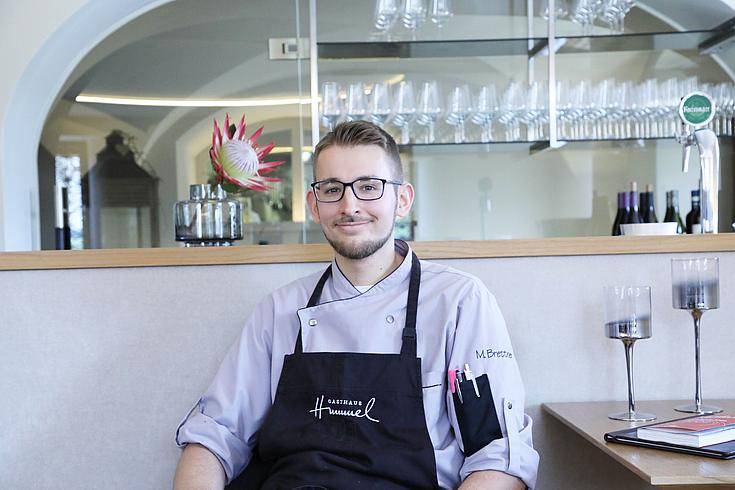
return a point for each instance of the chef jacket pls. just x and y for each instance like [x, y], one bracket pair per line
[458, 323]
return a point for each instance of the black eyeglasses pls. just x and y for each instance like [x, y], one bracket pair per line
[365, 189]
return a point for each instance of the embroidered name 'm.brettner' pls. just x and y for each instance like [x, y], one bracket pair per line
[489, 354]
[320, 408]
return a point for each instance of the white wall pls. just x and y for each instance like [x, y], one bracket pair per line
[96, 375]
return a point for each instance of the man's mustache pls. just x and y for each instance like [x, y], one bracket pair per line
[351, 219]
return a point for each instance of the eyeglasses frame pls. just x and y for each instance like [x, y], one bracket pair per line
[345, 185]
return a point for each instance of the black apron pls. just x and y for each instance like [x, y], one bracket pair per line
[347, 420]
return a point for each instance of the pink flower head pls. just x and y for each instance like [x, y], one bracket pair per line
[239, 160]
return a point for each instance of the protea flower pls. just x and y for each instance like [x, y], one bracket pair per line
[239, 160]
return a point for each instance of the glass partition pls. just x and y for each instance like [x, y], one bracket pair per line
[469, 106]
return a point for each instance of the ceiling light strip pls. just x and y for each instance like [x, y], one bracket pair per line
[170, 102]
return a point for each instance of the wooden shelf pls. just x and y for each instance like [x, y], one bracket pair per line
[274, 254]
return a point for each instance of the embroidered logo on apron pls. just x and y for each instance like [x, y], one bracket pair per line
[343, 408]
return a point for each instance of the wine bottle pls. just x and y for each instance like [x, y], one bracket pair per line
[620, 216]
[694, 218]
[648, 205]
[626, 206]
[672, 211]
[634, 215]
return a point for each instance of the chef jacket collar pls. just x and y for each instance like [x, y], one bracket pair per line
[343, 288]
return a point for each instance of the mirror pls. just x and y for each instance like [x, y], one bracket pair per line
[155, 80]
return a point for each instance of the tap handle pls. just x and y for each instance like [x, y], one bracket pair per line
[686, 150]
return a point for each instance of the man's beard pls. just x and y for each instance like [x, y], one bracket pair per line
[361, 250]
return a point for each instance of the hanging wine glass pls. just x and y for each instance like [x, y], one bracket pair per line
[624, 7]
[440, 11]
[331, 107]
[458, 109]
[404, 109]
[429, 108]
[610, 14]
[584, 13]
[414, 13]
[386, 14]
[561, 8]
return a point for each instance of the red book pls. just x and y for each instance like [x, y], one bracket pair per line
[699, 431]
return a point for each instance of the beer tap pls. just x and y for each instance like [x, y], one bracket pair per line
[696, 110]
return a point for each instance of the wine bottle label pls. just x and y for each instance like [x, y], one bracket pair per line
[696, 229]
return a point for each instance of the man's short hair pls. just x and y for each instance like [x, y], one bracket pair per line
[361, 133]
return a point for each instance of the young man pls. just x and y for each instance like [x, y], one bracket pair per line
[357, 359]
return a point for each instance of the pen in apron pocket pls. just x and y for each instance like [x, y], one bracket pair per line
[469, 376]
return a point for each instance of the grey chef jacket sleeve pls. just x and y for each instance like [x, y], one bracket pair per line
[227, 417]
[482, 340]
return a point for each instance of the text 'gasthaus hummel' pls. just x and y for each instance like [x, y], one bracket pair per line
[320, 409]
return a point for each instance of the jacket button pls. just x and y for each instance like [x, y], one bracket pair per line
[312, 322]
[510, 405]
[389, 319]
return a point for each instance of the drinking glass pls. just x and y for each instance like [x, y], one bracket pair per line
[356, 106]
[404, 109]
[331, 106]
[696, 287]
[429, 108]
[380, 103]
[512, 104]
[458, 109]
[414, 13]
[386, 14]
[560, 6]
[628, 318]
[584, 12]
[440, 11]
[534, 109]
[624, 7]
[485, 110]
[609, 14]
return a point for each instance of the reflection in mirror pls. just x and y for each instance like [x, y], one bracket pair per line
[162, 78]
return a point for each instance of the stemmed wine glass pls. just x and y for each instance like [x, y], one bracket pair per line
[414, 13]
[628, 318]
[512, 104]
[696, 287]
[356, 102]
[584, 12]
[486, 108]
[458, 109]
[561, 9]
[380, 103]
[440, 11]
[331, 105]
[386, 14]
[429, 108]
[404, 109]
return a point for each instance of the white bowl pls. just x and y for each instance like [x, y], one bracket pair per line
[649, 229]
